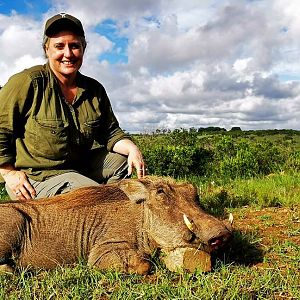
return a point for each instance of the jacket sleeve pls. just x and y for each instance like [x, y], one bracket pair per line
[13, 97]
[111, 131]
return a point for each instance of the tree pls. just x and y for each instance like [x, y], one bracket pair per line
[236, 128]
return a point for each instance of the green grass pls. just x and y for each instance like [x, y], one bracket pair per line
[275, 190]
[3, 193]
[226, 282]
[250, 268]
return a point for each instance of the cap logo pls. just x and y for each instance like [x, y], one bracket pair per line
[62, 15]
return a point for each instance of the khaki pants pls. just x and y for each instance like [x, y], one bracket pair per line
[100, 167]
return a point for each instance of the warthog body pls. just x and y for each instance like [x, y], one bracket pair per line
[110, 226]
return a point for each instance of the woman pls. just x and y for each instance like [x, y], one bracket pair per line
[57, 127]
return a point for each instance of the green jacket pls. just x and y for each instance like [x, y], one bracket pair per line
[43, 135]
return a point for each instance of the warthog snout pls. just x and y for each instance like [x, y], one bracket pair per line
[209, 239]
[219, 241]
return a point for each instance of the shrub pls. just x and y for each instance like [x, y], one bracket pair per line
[168, 160]
[177, 161]
[221, 156]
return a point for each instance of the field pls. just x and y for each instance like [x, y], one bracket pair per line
[261, 262]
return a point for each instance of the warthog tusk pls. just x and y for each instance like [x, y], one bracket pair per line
[187, 222]
[230, 219]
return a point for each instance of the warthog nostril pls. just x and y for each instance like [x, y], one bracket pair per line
[218, 241]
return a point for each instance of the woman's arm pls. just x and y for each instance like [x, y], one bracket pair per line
[12, 100]
[135, 157]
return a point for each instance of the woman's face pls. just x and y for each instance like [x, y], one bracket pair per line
[64, 51]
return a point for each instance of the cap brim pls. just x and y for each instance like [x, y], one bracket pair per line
[63, 24]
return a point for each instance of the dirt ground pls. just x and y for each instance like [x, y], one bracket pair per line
[270, 237]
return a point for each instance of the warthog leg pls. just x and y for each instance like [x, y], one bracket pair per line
[12, 226]
[123, 260]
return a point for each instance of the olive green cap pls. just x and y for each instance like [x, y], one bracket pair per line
[61, 22]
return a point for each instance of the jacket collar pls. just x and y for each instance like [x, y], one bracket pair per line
[81, 82]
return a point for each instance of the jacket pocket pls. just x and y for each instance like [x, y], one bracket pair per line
[47, 138]
[91, 128]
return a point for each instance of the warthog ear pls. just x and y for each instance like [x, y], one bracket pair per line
[135, 190]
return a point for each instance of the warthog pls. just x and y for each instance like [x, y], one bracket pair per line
[110, 226]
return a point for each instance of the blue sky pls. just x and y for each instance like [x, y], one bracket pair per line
[34, 8]
[118, 54]
[174, 64]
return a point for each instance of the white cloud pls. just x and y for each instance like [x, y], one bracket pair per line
[195, 63]
[20, 44]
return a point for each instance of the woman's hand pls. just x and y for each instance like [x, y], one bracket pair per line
[18, 182]
[135, 160]
[134, 156]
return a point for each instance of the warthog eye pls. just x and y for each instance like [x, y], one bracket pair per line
[160, 191]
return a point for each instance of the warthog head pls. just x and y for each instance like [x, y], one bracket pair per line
[172, 215]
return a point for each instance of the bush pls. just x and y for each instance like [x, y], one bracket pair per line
[177, 161]
[244, 158]
[220, 155]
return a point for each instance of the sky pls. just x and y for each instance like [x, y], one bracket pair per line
[168, 64]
